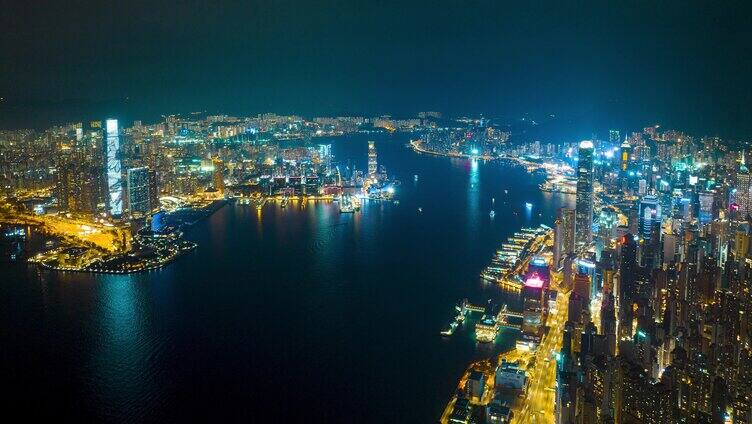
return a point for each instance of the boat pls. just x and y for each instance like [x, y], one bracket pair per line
[492, 213]
[420, 210]
[415, 177]
[284, 202]
[461, 307]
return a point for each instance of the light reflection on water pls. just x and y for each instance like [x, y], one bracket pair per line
[281, 298]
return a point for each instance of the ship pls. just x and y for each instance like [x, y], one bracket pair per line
[462, 310]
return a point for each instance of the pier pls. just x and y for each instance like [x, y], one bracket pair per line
[489, 326]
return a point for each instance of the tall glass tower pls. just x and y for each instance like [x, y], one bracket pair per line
[743, 190]
[563, 235]
[372, 164]
[113, 168]
[584, 206]
[138, 191]
[650, 213]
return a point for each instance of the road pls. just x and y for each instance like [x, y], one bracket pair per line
[538, 405]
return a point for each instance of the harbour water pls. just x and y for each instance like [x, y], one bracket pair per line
[296, 313]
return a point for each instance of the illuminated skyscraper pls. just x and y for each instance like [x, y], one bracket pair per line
[743, 196]
[582, 286]
[78, 187]
[138, 191]
[584, 206]
[607, 221]
[626, 151]
[533, 307]
[219, 178]
[373, 167]
[649, 215]
[614, 136]
[627, 288]
[563, 235]
[113, 168]
[153, 190]
[64, 187]
[325, 157]
[705, 199]
[608, 322]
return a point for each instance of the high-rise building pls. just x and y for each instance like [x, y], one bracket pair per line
[743, 196]
[138, 191]
[628, 276]
[614, 136]
[582, 285]
[608, 323]
[113, 168]
[649, 215]
[373, 167]
[563, 235]
[584, 205]
[325, 157]
[533, 307]
[64, 186]
[607, 223]
[219, 175]
[565, 401]
[153, 190]
[705, 199]
[626, 152]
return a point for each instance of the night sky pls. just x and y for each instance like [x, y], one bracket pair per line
[684, 65]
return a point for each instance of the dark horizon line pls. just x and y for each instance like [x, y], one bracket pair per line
[48, 109]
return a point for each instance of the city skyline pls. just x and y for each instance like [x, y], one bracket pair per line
[456, 212]
[602, 65]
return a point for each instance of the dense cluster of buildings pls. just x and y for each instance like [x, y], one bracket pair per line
[657, 256]
[466, 137]
[652, 267]
[95, 185]
[104, 170]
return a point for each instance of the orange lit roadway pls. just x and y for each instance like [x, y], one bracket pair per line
[538, 405]
[102, 236]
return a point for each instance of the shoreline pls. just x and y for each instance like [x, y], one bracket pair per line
[169, 261]
[512, 354]
[183, 248]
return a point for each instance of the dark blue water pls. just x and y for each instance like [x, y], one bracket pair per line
[292, 314]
